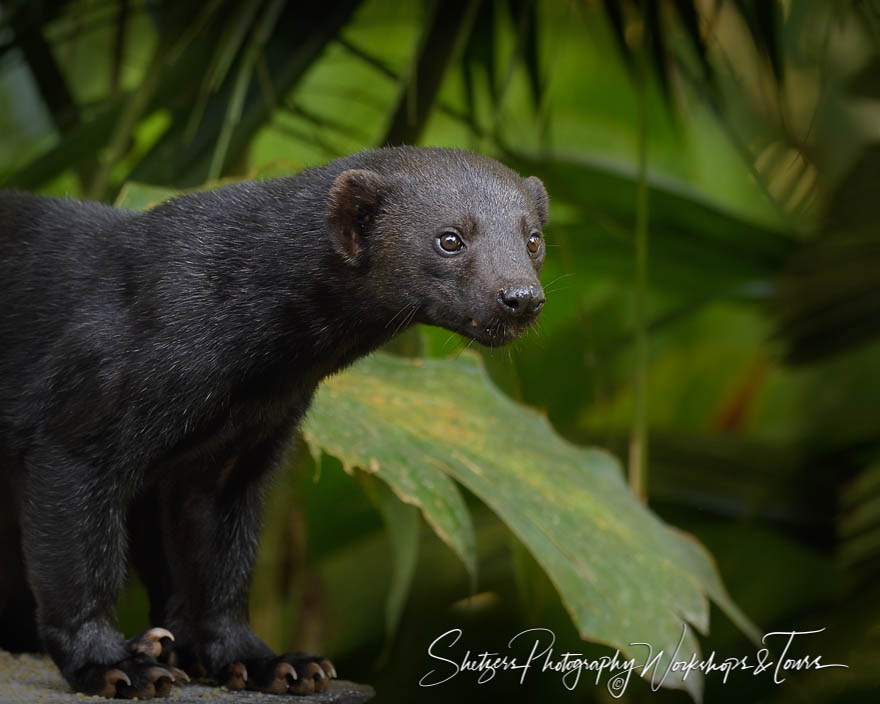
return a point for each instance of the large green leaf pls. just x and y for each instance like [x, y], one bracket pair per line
[624, 576]
[402, 526]
[421, 484]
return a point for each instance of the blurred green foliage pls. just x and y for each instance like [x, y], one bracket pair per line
[761, 311]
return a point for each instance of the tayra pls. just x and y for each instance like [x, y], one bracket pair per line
[154, 365]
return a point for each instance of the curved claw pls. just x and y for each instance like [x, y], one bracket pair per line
[157, 672]
[283, 669]
[327, 666]
[285, 677]
[238, 677]
[158, 633]
[179, 674]
[156, 675]
[313, 680]
[116, 675]
[313, 669]
[150, 642]
[317, 677]
[111, 679]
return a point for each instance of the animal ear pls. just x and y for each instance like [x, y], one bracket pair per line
[354, 201]
[539, 197]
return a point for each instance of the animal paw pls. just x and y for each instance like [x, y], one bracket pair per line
[141, 675]
[291, 673]
[130, 678]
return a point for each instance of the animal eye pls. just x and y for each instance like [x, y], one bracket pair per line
[534, 243]
[450, 241]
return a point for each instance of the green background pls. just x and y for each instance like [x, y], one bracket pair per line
[713, 284]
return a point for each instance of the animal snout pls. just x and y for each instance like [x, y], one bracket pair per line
[521, 301]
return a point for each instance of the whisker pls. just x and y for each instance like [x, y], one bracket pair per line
[449, 339]
[406, 319]
[559, 278]
[464, 348]
[405, 306]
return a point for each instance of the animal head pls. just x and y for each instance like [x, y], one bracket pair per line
[445, 237]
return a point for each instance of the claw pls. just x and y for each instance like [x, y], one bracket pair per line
[156, 675]
[116, 675]
[157, 672]
[179, 674]
[281, 682]
[159, 633]
[317, 676]
[111, 679]
[312, 669]
[285, 669]
[149, 642]
[327, 666]
[238, 676]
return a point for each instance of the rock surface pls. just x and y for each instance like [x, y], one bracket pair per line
[35, 679]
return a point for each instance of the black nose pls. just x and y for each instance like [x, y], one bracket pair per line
[521, 301]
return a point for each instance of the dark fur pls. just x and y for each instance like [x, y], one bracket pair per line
[153, 365]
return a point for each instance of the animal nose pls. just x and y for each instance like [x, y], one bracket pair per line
[521, 300]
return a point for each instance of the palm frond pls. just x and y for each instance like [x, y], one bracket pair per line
[828, 300]
[444, 37]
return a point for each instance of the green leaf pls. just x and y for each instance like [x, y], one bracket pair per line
[79, 146]
[141, 196]
[624, 576]
[443, 40]
[298, 40]
[827, 300]
[761, 19]
[859, 524]
[76, 148]
[402, 527]
[531, 53]
[254, 50]
[234, 33]
[425, 486]
[479, 55]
